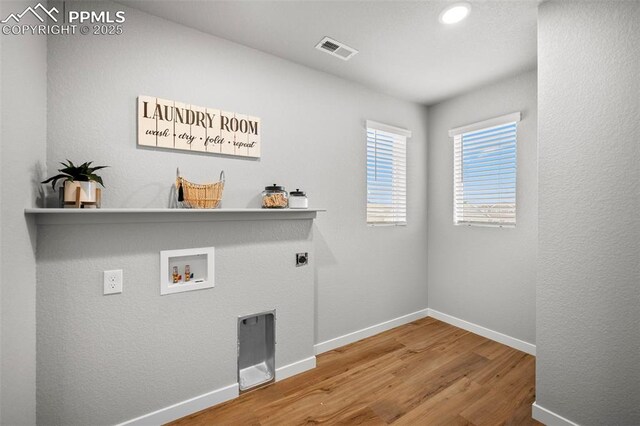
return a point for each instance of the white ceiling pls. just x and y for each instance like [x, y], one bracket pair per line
[404, 50]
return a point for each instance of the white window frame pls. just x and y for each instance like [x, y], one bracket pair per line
[457, 138]
[396, 214]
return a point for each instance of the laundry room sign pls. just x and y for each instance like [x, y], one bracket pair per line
[175, 125]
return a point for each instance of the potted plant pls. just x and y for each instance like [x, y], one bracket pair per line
[82, 176]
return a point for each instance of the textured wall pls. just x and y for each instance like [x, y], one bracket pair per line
[313, 138]
[107, 359]
[484, 275]
[588, 291]
[23, 134]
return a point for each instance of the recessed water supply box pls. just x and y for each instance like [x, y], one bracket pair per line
[256, 349]
[186, 270]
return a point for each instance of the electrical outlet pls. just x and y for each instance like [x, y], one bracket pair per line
[113, 281]
[302, 259]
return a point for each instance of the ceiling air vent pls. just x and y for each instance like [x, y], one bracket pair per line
[335, 48]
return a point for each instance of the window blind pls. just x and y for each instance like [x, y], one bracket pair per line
[386, 174]
[485, 172]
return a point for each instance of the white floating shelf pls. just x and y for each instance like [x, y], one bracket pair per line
[90, 216]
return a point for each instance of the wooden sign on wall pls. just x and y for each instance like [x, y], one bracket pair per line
[175, 125]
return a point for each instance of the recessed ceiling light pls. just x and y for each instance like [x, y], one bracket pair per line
[455, 13]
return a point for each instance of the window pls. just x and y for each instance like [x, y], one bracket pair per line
[485, 172]
[386, 174]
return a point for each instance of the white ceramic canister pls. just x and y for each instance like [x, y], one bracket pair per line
[298, 200]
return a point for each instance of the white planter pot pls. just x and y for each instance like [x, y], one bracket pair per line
[87, 191]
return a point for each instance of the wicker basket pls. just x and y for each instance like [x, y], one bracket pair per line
[199, 196]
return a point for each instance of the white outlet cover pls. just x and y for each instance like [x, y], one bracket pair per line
[113, 281]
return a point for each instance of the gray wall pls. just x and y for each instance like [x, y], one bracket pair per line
[23, 134]
[479, 274]
[108, 359]
[313, 138]
[588, 292]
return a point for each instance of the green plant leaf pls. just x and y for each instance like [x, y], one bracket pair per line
[96, 178]
[82, 173]
[56, 178]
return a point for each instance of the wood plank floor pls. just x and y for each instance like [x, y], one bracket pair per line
[423, 373]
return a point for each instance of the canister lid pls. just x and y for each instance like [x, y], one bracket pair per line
[297, 193]
[274, 187]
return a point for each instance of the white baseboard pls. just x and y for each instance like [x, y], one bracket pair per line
[548, 417]
[518, 344]
[368, 332]
[193, 405]
[295, 368]
[218, 396]
[184, 408]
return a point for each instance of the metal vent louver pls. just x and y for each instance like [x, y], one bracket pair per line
[336, 48]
